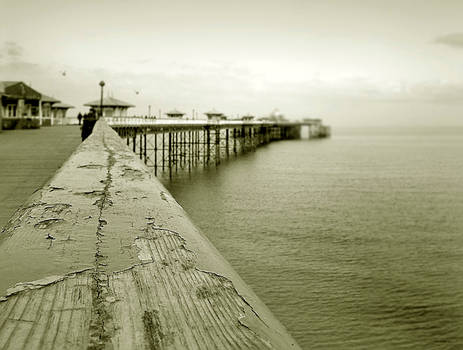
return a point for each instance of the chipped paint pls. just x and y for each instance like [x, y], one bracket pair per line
[47, 223]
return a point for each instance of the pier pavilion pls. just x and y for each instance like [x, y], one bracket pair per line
[58, 113]
[215, 115]
[24, 107]
[112, 107]
[174, 113]
[53, 111]
[47, 113]
[247, 117]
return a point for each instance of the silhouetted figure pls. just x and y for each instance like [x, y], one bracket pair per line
[88, 124]
[79, 117]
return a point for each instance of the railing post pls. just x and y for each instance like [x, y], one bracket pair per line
[208, 144]
[140, 148]
[217, 145]
[134, 140]
[156, 153]
[170, 154]
[227, 132]
[176, 150]
[163, 149]
[144, 145]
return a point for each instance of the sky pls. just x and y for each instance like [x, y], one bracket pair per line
[349, 62]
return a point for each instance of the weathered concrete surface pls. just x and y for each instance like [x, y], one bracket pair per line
[28, 159]
[114, 262]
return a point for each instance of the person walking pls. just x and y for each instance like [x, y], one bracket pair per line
[88, 124]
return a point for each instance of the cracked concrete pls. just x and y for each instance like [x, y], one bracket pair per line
[146, 277]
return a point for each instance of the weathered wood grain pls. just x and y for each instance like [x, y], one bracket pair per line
[115, 263]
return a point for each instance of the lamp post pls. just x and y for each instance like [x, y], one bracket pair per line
[101, 98]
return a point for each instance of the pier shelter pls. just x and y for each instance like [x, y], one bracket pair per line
[174, 113]
[112, 107]
[58, 113]
[215, 115]
[53, 111]
[47, 114]
[247, 117]
[20, 105]
[24, 107]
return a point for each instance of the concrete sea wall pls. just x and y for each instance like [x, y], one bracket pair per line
[103, 257]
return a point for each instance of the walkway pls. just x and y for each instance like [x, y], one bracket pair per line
[28, 159]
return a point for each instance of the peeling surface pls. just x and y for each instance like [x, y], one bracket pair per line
[54, 188]
[128, 270]
[44, 282]
[163, 196]
[132, 173]
[56, 208]
[90, 194]
[91, 166]
[47, 223]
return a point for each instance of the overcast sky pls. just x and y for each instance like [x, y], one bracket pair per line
[356, 62]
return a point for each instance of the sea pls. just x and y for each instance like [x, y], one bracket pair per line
[353, 242]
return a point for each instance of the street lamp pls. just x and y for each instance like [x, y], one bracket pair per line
[101, 98]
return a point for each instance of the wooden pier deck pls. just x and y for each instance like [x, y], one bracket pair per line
[28, 159]
[103, 257]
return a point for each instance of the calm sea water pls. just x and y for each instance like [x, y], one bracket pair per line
[354, 242]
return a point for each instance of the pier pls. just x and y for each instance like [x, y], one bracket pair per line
[103, 257]
[172, 144]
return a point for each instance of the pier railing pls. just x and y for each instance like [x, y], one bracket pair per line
[103, 257]
[170, 145]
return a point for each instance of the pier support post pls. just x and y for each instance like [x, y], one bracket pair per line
[144, 145]
[134, 141]
[156, 154]
[163, 148]
[227, 132]
[198, 146]
[169, 154]
[140, 146]
[176, 150]
[217, 145]
[208, 144]
[190, 149]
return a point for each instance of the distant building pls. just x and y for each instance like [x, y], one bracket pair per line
[112, 107]
[276, 116]
[58, 112]
[312, 120]
[247, 117]
[19, 100]
[175, 114]
[23, 107]
[215, 115]
[47, 102]
[53, 111]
